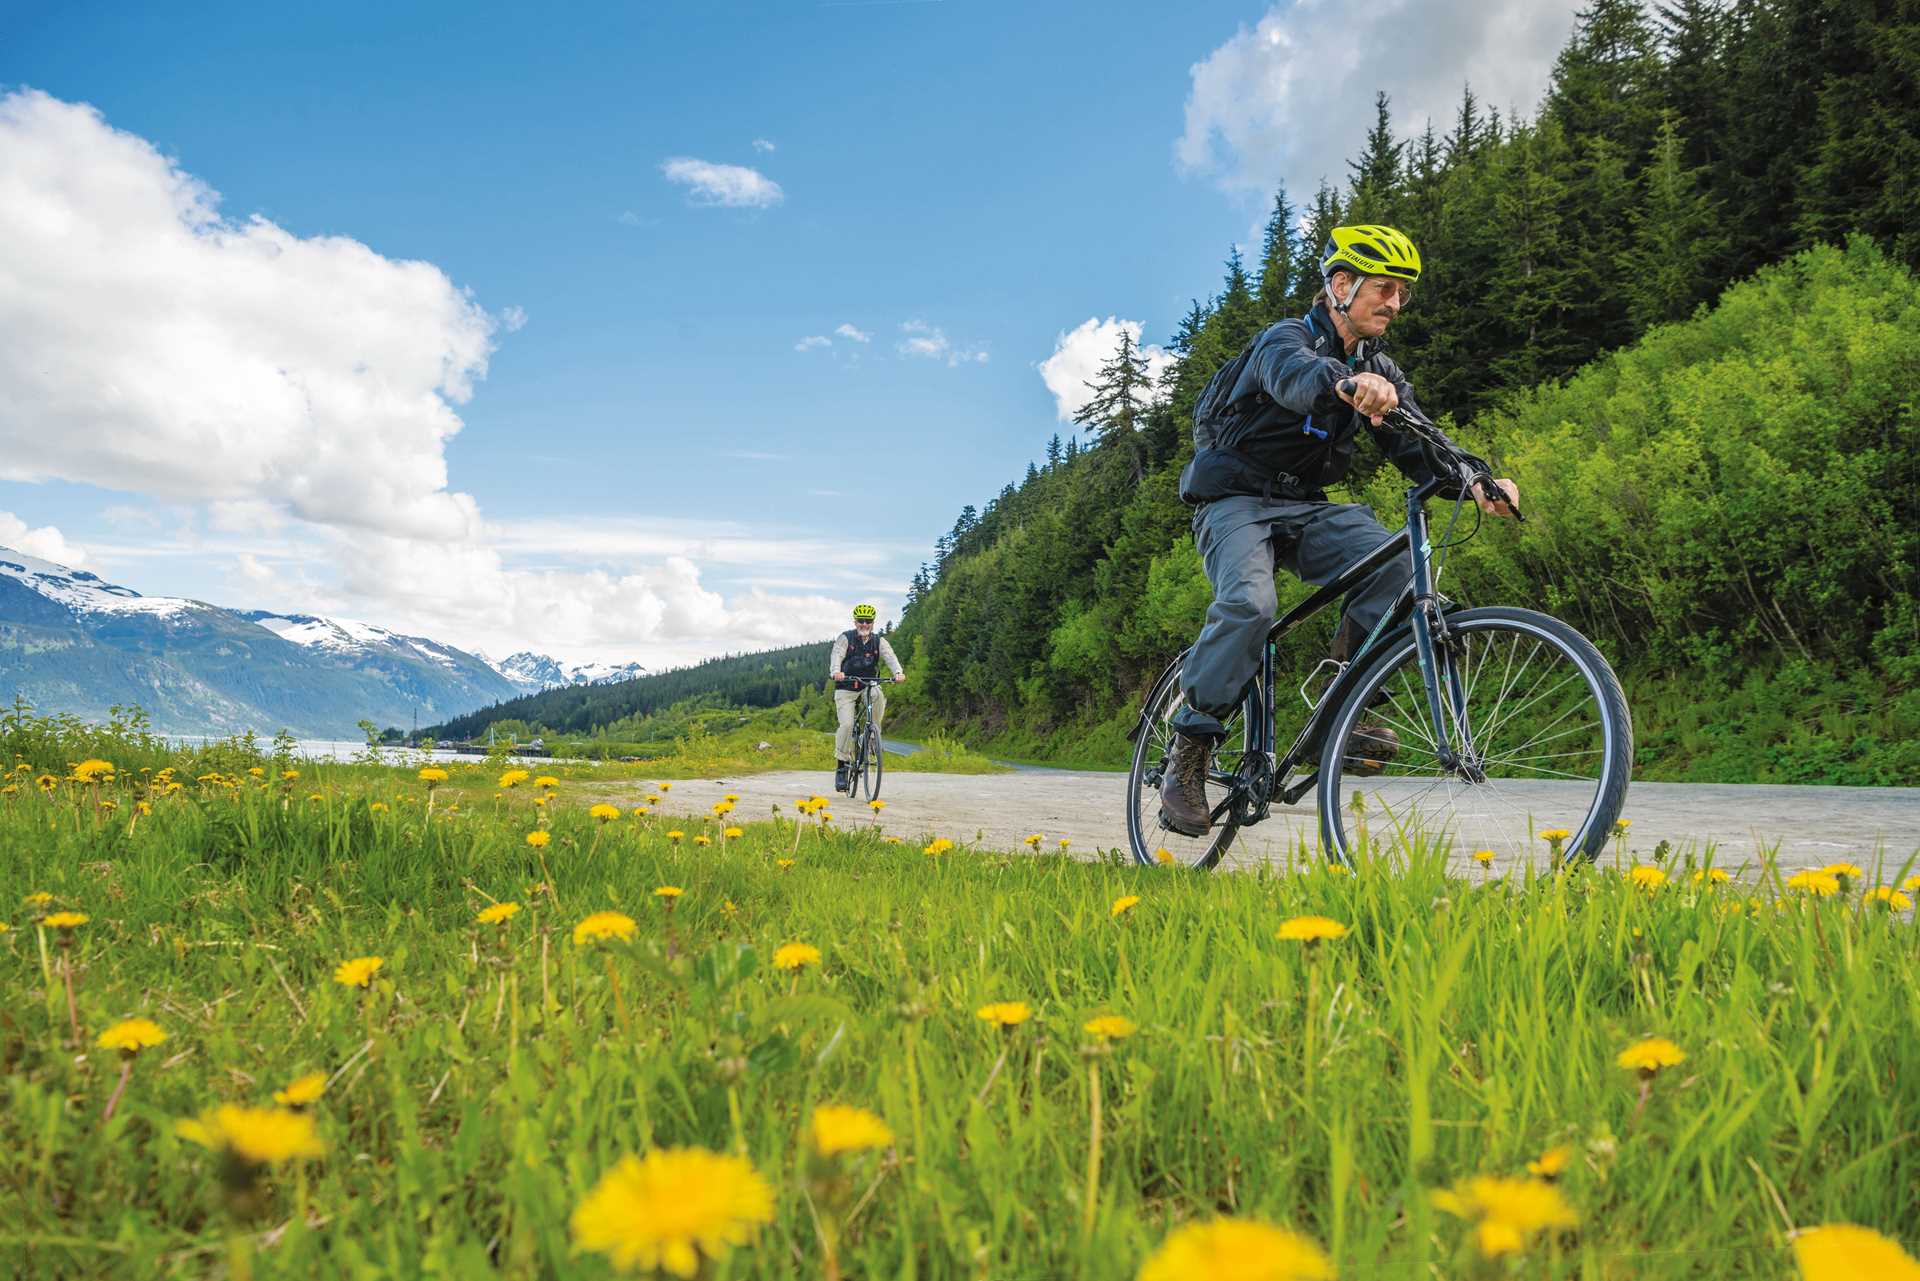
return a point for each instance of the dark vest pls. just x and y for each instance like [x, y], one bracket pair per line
[862, 659]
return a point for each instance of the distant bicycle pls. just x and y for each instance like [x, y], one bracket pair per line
[866, 766]
[1508, 720]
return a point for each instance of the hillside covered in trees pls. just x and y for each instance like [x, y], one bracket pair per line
[1627, 305]
[766, 679]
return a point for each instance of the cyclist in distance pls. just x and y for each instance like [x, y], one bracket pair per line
[857, 652]
[1271, 438]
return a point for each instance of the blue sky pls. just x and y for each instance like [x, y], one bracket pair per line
[653, 462]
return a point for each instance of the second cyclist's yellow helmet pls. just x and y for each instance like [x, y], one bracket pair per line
[1371, 250]
[864, 613]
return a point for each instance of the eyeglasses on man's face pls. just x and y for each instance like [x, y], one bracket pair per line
[1387, 287]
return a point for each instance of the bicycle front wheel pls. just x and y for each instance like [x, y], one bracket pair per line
[1548, 744]
[1155, 845]
[872, 766]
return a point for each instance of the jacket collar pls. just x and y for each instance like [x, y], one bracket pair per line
[1327, 338]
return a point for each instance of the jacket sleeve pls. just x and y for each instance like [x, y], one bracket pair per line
[1403, 450]
[1293, 373]
[886, 656]
[839, 654]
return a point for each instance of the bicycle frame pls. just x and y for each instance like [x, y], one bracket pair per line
[1416, 606]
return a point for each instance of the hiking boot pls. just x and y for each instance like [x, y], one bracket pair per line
[1371, 748]
[1183, 789]
[840, 777]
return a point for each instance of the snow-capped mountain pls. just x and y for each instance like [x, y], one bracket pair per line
[533, 672]
[72, 642]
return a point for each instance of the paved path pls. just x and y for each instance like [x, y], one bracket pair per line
[1812, 826]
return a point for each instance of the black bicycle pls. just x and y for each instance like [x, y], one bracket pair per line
[867, 764]
[1509, 722]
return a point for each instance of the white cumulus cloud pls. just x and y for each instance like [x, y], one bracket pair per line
[1292, 97]
[731, 186]
[46, 542]
[1078, 355]
[149, 344]
[812, 342]
[763, 144]
[857, 335]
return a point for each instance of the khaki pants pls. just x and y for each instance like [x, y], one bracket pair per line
[843, 700]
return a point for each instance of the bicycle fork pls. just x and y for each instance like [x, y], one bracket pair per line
[1433, 642]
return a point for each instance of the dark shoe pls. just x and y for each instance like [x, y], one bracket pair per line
[1183, 790]
[840, 777]
[1371, 748]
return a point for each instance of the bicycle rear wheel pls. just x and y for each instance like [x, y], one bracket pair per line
[1551, 743]
[1154, 845]
[872, 765]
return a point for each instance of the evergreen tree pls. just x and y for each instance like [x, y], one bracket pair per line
[1053, 452]
[1463, 144]
[1279, 254]
[1530, 285]
[1865, 175]
[1122, 391]
[1606, 81]
[1674, 231]
[1323, 216]
[1376, 174]
[1693, 78]
[1033, 474]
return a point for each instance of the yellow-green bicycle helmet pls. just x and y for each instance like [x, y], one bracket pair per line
[863, 613]
[1371, 250]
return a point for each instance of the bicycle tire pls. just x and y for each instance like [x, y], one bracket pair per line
[1573, 706]
[872, 763]
[1144, 834]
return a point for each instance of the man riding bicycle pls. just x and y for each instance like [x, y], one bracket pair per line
[857, 653]
[1279, 431]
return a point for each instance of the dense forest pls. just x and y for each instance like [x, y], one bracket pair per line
[1675, 304]
[766, 679]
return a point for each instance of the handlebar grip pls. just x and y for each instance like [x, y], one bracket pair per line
[1346, 386]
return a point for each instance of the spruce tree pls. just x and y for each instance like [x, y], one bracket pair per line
[1376, 174]
[1323, 216]
[1674, 231]
[1053, 452]
[1279, 254]
[1122, 392]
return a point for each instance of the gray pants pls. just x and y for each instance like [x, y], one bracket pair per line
[1240, 538]
[843, 704]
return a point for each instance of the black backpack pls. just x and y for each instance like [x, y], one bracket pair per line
[1223, 399]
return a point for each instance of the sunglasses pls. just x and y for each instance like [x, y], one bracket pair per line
[1388, 285]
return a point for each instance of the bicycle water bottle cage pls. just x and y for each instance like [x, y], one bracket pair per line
[1313, 700]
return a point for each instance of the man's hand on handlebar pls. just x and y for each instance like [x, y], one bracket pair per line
[899, 678]
[1504, 502]
[838, 676]
[1371, 394]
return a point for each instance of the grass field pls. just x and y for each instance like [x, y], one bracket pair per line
[1062, 1067]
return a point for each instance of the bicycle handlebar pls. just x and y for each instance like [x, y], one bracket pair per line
[868, 680]
[1430, 437]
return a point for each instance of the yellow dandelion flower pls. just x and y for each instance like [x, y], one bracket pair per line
[287, 776]
[727, 906]
[604, 812]
[876, 805]
[1163, 856]
[938, 845]
[539, 839]
[604, 925]
[1110, 1027]
[1647, 1057]
[46, 782]
[433, 774]
[894, 840]
[703, 839]
[1554, 834]
[1311, 929]
[1646, 877]
[667, 891]
[378, 807]
[255, 772]
[1844, 1252]
[1005, 1013]
[1620, 825]
[1064, 842]
[794, 956]
[497, 914]
[669, 1210]
[547, 781]
[1506, 1211]
[1912, 884]
[1338, 869]
[675, 835]
[1850, 870]
[130, 1036]
[39, 898]
[665, 787]
[783, 863]
[838, 1128]
[1711, 876]
[1888, 897]
[1551, 1163]
[733, 833]
[1483, 857]
[1125, 903]
[303, 1091]
[514, 777]
[722, 808]
[1236, 1250]
[641, 811]
[653, 798]
[1033, 842]
[253, 1136]
[541, 801]
[358, 972]
[731, 796]
[65, 920]
[1817, 883]
[93, 771]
